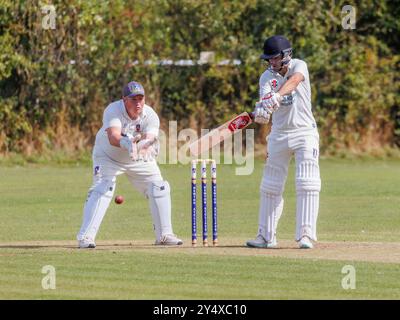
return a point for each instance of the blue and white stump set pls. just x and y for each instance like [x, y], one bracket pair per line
[213, 167]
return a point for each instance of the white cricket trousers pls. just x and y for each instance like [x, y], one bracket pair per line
[304, 145]
[105, 170]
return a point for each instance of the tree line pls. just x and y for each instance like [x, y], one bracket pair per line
[56, 79]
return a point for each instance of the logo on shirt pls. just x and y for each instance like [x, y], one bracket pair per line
[131, 128]
[274, 83]
[288, 99]
[96, 170]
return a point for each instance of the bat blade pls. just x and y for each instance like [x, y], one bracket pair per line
[216, 136]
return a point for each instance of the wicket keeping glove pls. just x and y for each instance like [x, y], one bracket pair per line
[129, 143]
[148, 149]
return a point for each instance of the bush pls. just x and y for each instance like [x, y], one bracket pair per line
[55, 84]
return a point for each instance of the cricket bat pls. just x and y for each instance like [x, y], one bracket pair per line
[216, 136]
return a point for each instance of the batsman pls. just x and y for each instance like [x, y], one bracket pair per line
[285, 96]
[127, 143]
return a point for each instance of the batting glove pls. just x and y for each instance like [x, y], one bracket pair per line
[261, 115]
[266, 106]
[271, 101]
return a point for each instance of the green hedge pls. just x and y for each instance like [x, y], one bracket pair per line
[54, 84]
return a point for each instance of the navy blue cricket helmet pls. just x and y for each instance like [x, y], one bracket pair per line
[275, 46]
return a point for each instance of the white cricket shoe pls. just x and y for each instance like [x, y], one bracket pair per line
[260, 242]
[305, 243]
[169, 240]
[86, 243]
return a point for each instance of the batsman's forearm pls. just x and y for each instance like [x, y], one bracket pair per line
[291, 84]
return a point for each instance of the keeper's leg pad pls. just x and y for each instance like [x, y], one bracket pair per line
[97, 202]
[160, 207]
[308, 186]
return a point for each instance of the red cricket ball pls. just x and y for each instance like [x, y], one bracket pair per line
[119, 199]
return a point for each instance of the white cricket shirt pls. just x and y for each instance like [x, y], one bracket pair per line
[115, 115]
[294, 112]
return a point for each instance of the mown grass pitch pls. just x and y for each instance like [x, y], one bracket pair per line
[359, 225]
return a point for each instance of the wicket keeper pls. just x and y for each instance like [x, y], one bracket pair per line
[127, 144]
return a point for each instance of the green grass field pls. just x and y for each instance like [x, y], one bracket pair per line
[359, 225]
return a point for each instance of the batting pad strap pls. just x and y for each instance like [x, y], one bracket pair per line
[105, 188]
[158, 189]
[307, 176]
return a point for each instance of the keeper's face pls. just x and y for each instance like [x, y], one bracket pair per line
[134, 105]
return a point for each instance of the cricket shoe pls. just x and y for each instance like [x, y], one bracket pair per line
[169, 240]
[260, 242]
[86, 243]
[305, 243]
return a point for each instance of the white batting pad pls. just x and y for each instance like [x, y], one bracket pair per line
[273, 180]
[271, 201]
[308, 186]
[307, 214]
[160, 207]
[271, 207]
[96, 205]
